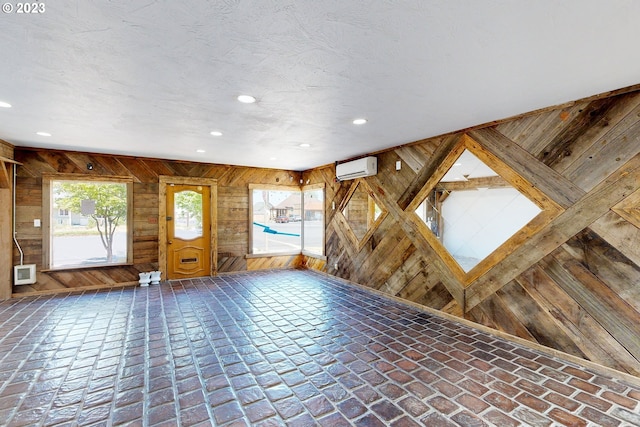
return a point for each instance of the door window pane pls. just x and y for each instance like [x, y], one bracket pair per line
[187, 208]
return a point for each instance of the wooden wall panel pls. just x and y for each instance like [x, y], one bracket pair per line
[232, 210]
[575, 284]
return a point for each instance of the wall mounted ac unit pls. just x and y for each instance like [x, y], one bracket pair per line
[367, 166]
[24, 274]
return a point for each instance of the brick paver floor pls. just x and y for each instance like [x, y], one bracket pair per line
[291, 348]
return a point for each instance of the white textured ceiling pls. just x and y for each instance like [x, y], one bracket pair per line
[153, 78]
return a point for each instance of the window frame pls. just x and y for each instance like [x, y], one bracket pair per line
[47, 195]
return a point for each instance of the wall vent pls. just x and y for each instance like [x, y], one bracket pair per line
[24, 274]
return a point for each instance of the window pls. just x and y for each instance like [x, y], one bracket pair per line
[313, 220]
[276, 220]
[89, 221]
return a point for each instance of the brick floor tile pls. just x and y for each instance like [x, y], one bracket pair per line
[318, 406]
[386, 410]
[472, 403]
[532, 402]
[436, 420]
[194, 415]
[443, 405]
[335, 393]
[450, 375]
[531, 418]
[352, 408]
[551, 363]
[598, 417]
[530, 387]
[576, 372]
[566, 418]
[228, 412]
[373, 378]
[162, 413]
[583, 385]
[350, 381]
[504, 376]
[289, 408]
[404, 422]
[527, 363]
[593, 401]
[630, 417]
[499, 419]
[305, 391]
[367, 394]
[128, 414]
[466, 418]
[501, 402]
[562, 401]
[370, 420]
[413, 406]
[619, 400]
[392, 391]
[447, 388]
[250, 395]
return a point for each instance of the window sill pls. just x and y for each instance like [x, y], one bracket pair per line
[84, 267]
[271, 255]
[314, 255]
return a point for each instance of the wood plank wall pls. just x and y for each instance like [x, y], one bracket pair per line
[574, 285]
[232, 209]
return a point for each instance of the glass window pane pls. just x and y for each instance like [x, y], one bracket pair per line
[88, 223]
[277, 219]
[188, 215]
[313, 221]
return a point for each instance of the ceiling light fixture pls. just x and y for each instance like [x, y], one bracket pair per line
[216, 133]
[305, 145]
[200, 151]
[5, 104]
[359, 121]
[43, 133]
[246, 99]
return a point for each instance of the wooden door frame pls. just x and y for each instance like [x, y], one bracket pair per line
[165, 180]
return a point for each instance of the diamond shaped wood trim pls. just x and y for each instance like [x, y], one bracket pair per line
[629, 208]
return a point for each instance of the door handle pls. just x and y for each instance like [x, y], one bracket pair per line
[170, 242]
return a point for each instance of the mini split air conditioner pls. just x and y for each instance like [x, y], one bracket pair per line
[367, 166]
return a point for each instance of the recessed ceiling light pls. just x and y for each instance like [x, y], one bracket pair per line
[246, 99]
[359, 121]
[43, 133]
[200, 151]
[5, 104]
[216, 133]
[305, 145]
[273, 158]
